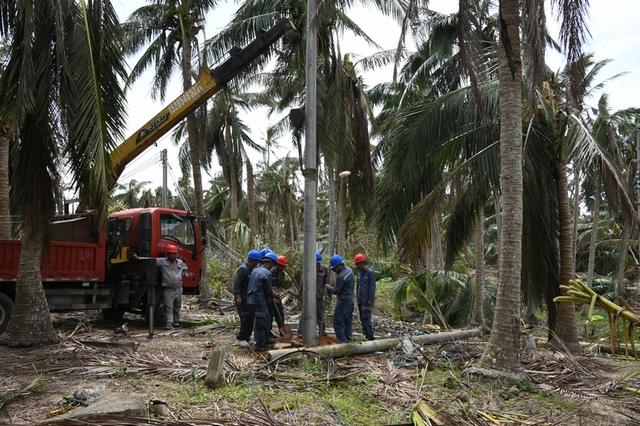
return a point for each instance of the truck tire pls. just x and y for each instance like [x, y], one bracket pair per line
[6, 308]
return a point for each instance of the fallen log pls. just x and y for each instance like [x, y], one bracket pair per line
[621, 349]
[347, 349]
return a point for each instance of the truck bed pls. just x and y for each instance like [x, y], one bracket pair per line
[76, 254]
[65, 261]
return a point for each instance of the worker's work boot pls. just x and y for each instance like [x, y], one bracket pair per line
[241, 343]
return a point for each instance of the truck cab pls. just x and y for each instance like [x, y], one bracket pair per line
[148, 232]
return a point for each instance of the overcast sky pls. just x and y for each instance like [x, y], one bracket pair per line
[613, 26]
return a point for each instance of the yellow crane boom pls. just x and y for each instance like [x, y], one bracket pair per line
[208, 84]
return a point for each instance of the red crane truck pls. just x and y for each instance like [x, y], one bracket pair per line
[87, 265]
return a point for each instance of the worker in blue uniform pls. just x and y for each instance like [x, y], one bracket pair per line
[343, 312]
[240, 289]
[259, 296]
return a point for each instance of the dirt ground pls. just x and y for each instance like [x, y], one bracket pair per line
[375, 389]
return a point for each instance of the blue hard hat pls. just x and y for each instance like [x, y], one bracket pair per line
[318, 257]
[264, 251]
[335, 260]
[270, 256]
[254, 255]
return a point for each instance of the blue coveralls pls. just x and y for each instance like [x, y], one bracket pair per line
[366, 297]
[276, 308]
[241, 287]
[343, 313]
[259, 296]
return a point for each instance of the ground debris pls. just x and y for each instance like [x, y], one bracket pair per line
[230, 418]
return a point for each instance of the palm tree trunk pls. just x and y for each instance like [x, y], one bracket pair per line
[30, 323]
[192, 134]
[292, 226]
[576, 207]
[478, 305]
[566, 332]
[5, 210]
[331, 178]
[251, 198]
[594, 233]
[626, 233]
[436, 243]
[233, 172]
[342, 218]
[195, 155]
[501, 352]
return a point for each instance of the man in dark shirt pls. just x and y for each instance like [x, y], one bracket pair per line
[322, 280]
[276, 309]
[259, 296]
[240, 288]
[343, 313]
[366, 293]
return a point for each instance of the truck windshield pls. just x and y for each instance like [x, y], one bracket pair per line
[177, 228]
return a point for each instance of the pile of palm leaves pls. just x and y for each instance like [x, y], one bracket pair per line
[10, 395]
[579, 293]
[445, 295]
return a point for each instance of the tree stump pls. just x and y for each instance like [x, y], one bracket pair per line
[216, 367]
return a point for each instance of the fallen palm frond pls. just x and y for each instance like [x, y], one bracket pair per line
[232, 418]
[36, 386]
[146, 364]
[561, 370]
[579, 293]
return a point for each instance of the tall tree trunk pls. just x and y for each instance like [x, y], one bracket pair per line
[594, 233]
[194, 154]
[5, 209]
[478, 303]
[622, 256]
[436, 242]
[342, 218]
[292, 227]
[565, 332]
[497, 202]
[501, 352]
[233, 171]
[331, 178]
[251, 198]
[576, 207]
[30, 323]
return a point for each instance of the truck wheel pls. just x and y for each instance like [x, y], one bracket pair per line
[112, 314]
[6, 308]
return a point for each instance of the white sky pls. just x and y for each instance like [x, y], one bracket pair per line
[613, 26]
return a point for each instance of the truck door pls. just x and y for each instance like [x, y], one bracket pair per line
[179, 230]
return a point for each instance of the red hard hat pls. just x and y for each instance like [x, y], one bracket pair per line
[359, 258]
[282, 261]
[172, 249]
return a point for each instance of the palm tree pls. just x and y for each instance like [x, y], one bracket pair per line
[131, 195]
[61, 89]
[478, 299]
[169, 29]
[278, 186]
[6, 136]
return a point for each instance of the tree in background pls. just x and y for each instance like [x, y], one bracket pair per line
[61, 88]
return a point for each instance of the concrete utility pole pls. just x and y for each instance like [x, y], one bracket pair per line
[310, 172]
[163, 157]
